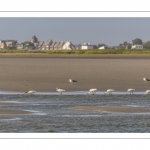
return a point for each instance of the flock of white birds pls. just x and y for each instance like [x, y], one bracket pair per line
[94, 90]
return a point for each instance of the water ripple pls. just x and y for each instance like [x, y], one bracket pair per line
[51, 113]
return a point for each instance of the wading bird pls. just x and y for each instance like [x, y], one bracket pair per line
[60, 90]
[71, 80]
[30, 92]
[109, 91]
[130, 91]
[92, 91]
[147, 92]
[145, 79]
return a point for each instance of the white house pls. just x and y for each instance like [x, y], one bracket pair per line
[137, 47]
[87, 46]
[19, 46]
[68, 46]
[103, 47]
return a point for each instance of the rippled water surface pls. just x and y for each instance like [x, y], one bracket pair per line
[51, 113]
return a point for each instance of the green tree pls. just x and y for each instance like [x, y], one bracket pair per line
[137, 41]
[28, 45]
[128, 46]
[146, 45]
[99, 45]
[95, 47]
[12, 46]
[121, 46]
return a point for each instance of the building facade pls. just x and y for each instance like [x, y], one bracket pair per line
[137, 47]
[103, 47]
[68, 46]
[87, 46]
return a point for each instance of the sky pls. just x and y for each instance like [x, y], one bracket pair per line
[111, 31]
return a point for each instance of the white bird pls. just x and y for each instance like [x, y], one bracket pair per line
[147, 92]
[60, 90]
[109, 91]
[93, 91]
[30, 92]
[145, 79]
[71, 80]
[130, 91]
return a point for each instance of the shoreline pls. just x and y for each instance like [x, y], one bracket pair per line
[70, 92]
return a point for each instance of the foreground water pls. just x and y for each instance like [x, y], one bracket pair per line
[51, 113]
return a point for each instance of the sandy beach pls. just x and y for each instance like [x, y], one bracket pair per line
[45, 72]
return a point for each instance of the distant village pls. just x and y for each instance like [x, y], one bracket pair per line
[34, 44]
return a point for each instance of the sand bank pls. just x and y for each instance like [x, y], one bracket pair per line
[12, 111]
[44, 72]
[6, 103]
[112, 109]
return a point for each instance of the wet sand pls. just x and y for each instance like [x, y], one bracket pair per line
[6, 103]
[112, 109]
[45, 72]
[10, 111]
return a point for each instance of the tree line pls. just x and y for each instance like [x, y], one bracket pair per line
[126, 45]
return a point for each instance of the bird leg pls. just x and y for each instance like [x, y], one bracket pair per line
[94, 93]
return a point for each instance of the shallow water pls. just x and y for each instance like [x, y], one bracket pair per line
[51, 113]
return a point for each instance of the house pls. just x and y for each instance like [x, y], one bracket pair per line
[103, 47]
[34, 39]
[39, 47]
[87, 46]
[9, 42]
[52, 46]
[77, 46]
[137, 47]
[28, 46]
[56, 46]
[60, 46]
[68, 46]
[19, 46]
[2, 44]
[46, 45]
[6, 43]
[36, 45]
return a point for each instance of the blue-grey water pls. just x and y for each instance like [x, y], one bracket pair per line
[51, 113]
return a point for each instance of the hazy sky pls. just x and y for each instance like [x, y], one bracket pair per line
[111, 31]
